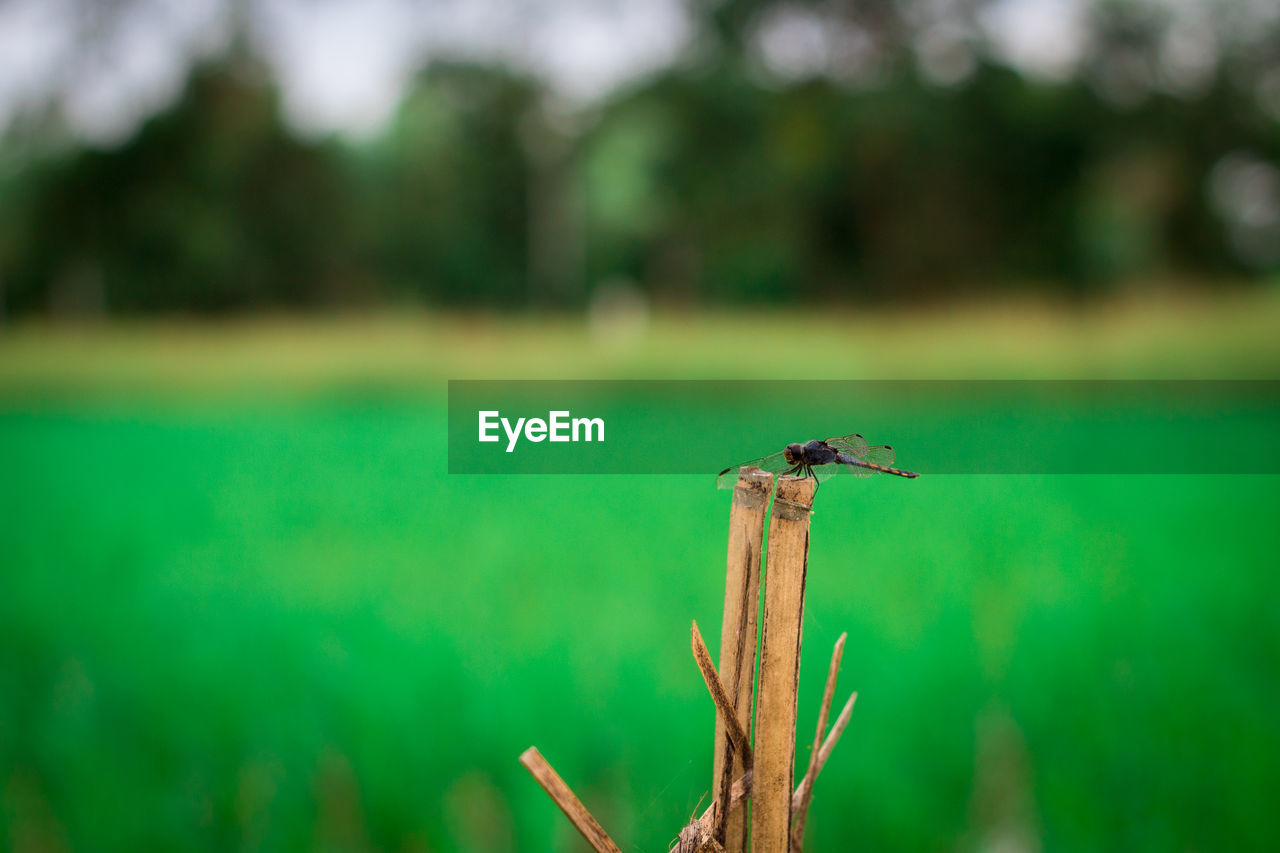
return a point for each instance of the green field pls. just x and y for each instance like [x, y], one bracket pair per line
[243, 606]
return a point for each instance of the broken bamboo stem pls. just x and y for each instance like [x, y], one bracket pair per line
[800, 811]
[833, 737]
[741, 789]
[701, 826]
[775, 731]
[738, 636]
[568, 802]
[718, 695]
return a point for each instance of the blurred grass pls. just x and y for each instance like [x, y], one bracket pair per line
[1165, 335]
[245, 607]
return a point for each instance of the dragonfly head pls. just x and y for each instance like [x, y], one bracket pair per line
[793, 453]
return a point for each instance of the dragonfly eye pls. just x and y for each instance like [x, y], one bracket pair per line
[792, 453]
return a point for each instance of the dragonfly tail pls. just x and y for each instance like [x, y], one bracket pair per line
[883, 469]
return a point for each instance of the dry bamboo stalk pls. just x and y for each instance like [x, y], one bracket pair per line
[742, 786]
[568, 802]
[738, 640]
[696, 838]
[775, 733]
[701, 827]
[738, 791]
[833, 737]
[719, 695]
[828, 693]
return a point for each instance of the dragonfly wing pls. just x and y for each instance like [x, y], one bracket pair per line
[857, 447]
[854, 445]
[822, 473]
[881, 454]
[774, 463]
[878, 459]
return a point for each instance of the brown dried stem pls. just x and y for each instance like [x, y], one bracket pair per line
[833, 737]
[799, 812]
[568, 802]
[775, 729]
[719, 696]
[701, 828]
[742, 789]
[738, 636]
[695, 838]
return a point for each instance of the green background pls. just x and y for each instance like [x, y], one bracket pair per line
[243, 605]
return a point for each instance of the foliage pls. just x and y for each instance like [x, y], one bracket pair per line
[211, 206]
[716, 181]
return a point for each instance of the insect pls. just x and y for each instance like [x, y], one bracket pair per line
[822, 460]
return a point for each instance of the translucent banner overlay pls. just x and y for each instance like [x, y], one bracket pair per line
[935, 427]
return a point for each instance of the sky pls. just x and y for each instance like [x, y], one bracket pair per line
[343, 64]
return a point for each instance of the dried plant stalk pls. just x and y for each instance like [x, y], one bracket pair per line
[568, 802]
[802, 809]
[833, 737]
[775, 732]
[700, 828]
[738, 633]
[696, 838]
[718, 695]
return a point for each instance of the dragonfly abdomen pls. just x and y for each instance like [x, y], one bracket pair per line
[846, 459]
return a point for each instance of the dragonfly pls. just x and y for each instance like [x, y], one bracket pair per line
[821, 460]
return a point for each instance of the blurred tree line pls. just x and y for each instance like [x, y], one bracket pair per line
[713, 181]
